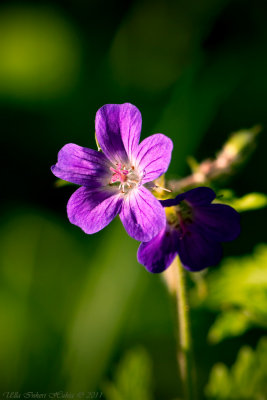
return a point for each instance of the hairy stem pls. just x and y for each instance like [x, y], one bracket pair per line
[175, 278]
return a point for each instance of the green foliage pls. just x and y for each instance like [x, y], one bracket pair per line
[246, 379]
[229, 323]
[238, 290]
[132, 378]
[251, 201]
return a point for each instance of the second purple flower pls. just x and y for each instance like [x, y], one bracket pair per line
[113, 180]
[195, 229]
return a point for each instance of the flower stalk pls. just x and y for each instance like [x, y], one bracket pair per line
[176, 282]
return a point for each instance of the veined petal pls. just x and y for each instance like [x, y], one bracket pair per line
[93, 209]
[142, 215]
[197, 251]
[118, 128]
[218, 221]
[82, 166]
[153, 156]
[158, 254]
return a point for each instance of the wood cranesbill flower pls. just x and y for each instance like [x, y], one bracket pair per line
[112, 181]
[195, 229]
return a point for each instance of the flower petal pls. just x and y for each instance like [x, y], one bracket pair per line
[82, 166]
[153, 156]
[118, 128]
[198, 196]
[142, 215]
[218, 221]
[93, 209]
[158, 254]
[197, 252]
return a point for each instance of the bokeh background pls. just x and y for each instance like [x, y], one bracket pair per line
[78, 313]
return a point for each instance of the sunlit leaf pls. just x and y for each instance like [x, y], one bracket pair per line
[251, 201]
[219, 383]
[230, 323]
[238, 290]
[247, 378]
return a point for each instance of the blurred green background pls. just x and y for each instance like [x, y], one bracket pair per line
[77, 312]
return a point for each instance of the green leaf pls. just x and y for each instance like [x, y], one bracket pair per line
[219, 383]
[238, 290]
[230, 323]
[251, 201]
[247, 379]
[132, 378]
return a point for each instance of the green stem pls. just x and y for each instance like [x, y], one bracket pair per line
[185, 353]
[177, 285]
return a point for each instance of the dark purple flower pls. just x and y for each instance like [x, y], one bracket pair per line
[112, 180]
[194, 231]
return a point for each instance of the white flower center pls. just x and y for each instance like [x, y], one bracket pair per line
[127, 176]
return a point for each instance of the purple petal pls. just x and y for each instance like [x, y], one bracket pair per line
[218, 221]
[198, 196]
[82, 166]
[197, 252]
[158, 254]
[142, 215]
[93, 209]
[118, 128]
[172, 202]
[153, 156]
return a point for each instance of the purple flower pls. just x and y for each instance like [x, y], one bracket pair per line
[194, 231]
[112, 180]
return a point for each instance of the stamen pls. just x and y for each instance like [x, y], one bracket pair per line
[127, 177]
[153, 186]
[162, 188]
